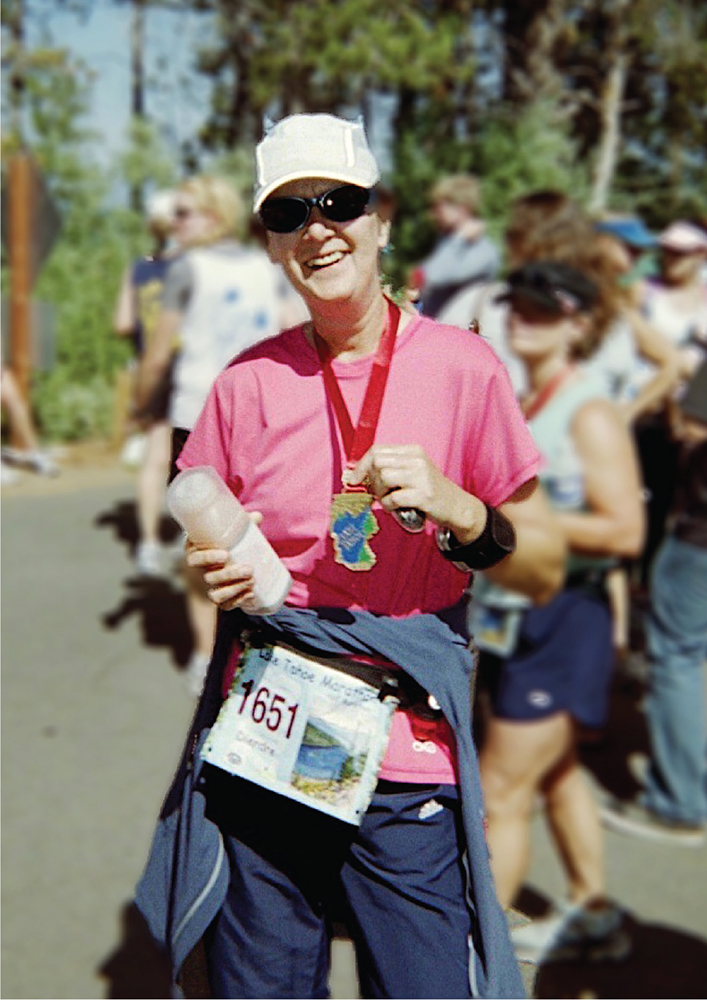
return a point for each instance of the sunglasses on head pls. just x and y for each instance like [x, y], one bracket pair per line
[341, 204]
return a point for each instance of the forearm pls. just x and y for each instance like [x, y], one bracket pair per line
[603, 534]
[537, 566]
[157, 357]
[653, 392]
[150, 373]
[124, 314]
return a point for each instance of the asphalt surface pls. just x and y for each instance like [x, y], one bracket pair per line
[94, 712]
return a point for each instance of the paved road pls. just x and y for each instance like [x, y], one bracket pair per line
[93, 716]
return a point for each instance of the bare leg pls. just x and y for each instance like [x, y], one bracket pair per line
[619, 599]
[152, 480]
[516, 756]
[573, 817]
[24, 435]
[202, 613]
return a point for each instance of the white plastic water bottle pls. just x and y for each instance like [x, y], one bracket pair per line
[211, 515]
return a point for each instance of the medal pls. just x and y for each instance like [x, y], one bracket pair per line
[352, 522]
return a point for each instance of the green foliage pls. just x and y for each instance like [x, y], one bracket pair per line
[145, 160]
[67, 410]
[510, 90]
[512, 155]
[521, 153]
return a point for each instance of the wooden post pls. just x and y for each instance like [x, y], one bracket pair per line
[20, 233]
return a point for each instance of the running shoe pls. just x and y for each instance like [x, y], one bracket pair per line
[195, 673]
[148, 559]
[592, 932]
[635, 820]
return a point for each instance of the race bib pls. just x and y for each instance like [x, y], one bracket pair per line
[495, 630]
[303, 729]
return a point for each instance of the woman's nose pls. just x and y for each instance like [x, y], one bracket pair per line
[318, 225]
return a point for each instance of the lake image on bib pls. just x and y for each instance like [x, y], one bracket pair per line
[330, 761]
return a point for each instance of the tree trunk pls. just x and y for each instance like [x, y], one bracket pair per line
[137, 82]
[610, 137]
[13, 16]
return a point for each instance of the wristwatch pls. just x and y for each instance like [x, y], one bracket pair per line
[496, 541]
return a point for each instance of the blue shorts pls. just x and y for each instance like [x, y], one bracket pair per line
[398, 880]
[563, 662]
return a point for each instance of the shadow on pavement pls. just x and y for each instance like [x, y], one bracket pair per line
[138, 967]
[123, 519]
[162, 611]
[156, 601]
[608, 755]
[664, 962]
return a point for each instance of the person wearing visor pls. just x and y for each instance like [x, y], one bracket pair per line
[675, 305]
[387, 458]
[550, 666]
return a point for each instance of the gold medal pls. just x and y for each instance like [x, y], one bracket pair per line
[352, 524]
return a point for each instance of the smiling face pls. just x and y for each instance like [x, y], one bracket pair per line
[328, 261]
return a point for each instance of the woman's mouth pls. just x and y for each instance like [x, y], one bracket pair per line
[325, 260]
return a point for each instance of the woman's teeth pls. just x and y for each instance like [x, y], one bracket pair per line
[326, 259]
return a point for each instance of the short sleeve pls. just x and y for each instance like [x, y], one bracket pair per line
[504, 455]
[178, 284]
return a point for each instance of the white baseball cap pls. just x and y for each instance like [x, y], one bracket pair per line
[160, 206]
[313, 146]
[683, 236]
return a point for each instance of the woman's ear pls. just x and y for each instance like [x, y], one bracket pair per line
[384, 234]
[581, 325]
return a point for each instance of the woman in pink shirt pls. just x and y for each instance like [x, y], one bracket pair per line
[344, 433]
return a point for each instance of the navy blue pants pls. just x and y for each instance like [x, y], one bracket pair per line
[398, 881]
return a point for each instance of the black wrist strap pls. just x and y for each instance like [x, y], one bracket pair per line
[496, 541]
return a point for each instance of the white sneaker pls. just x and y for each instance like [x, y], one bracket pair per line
[592, 932]
[134, 451]
[38, 461]
[195, 673]
[8, 476]
[532, 940]
[43, 463]
[148, 559]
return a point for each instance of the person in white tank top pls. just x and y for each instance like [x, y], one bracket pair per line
[220, 298]
[677, 305]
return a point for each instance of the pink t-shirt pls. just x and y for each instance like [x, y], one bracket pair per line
[269, 431]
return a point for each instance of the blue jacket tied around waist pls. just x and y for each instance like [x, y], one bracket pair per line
[186, 876]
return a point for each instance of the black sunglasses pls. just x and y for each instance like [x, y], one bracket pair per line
[341, 204]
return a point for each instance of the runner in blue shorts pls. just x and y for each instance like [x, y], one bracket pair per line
[555, 661]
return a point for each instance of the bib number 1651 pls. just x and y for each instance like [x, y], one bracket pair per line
[268, 707]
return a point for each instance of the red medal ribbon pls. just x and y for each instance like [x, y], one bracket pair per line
[547, 392]
[357, 441]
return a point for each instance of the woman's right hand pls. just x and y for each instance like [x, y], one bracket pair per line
[230, 584]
